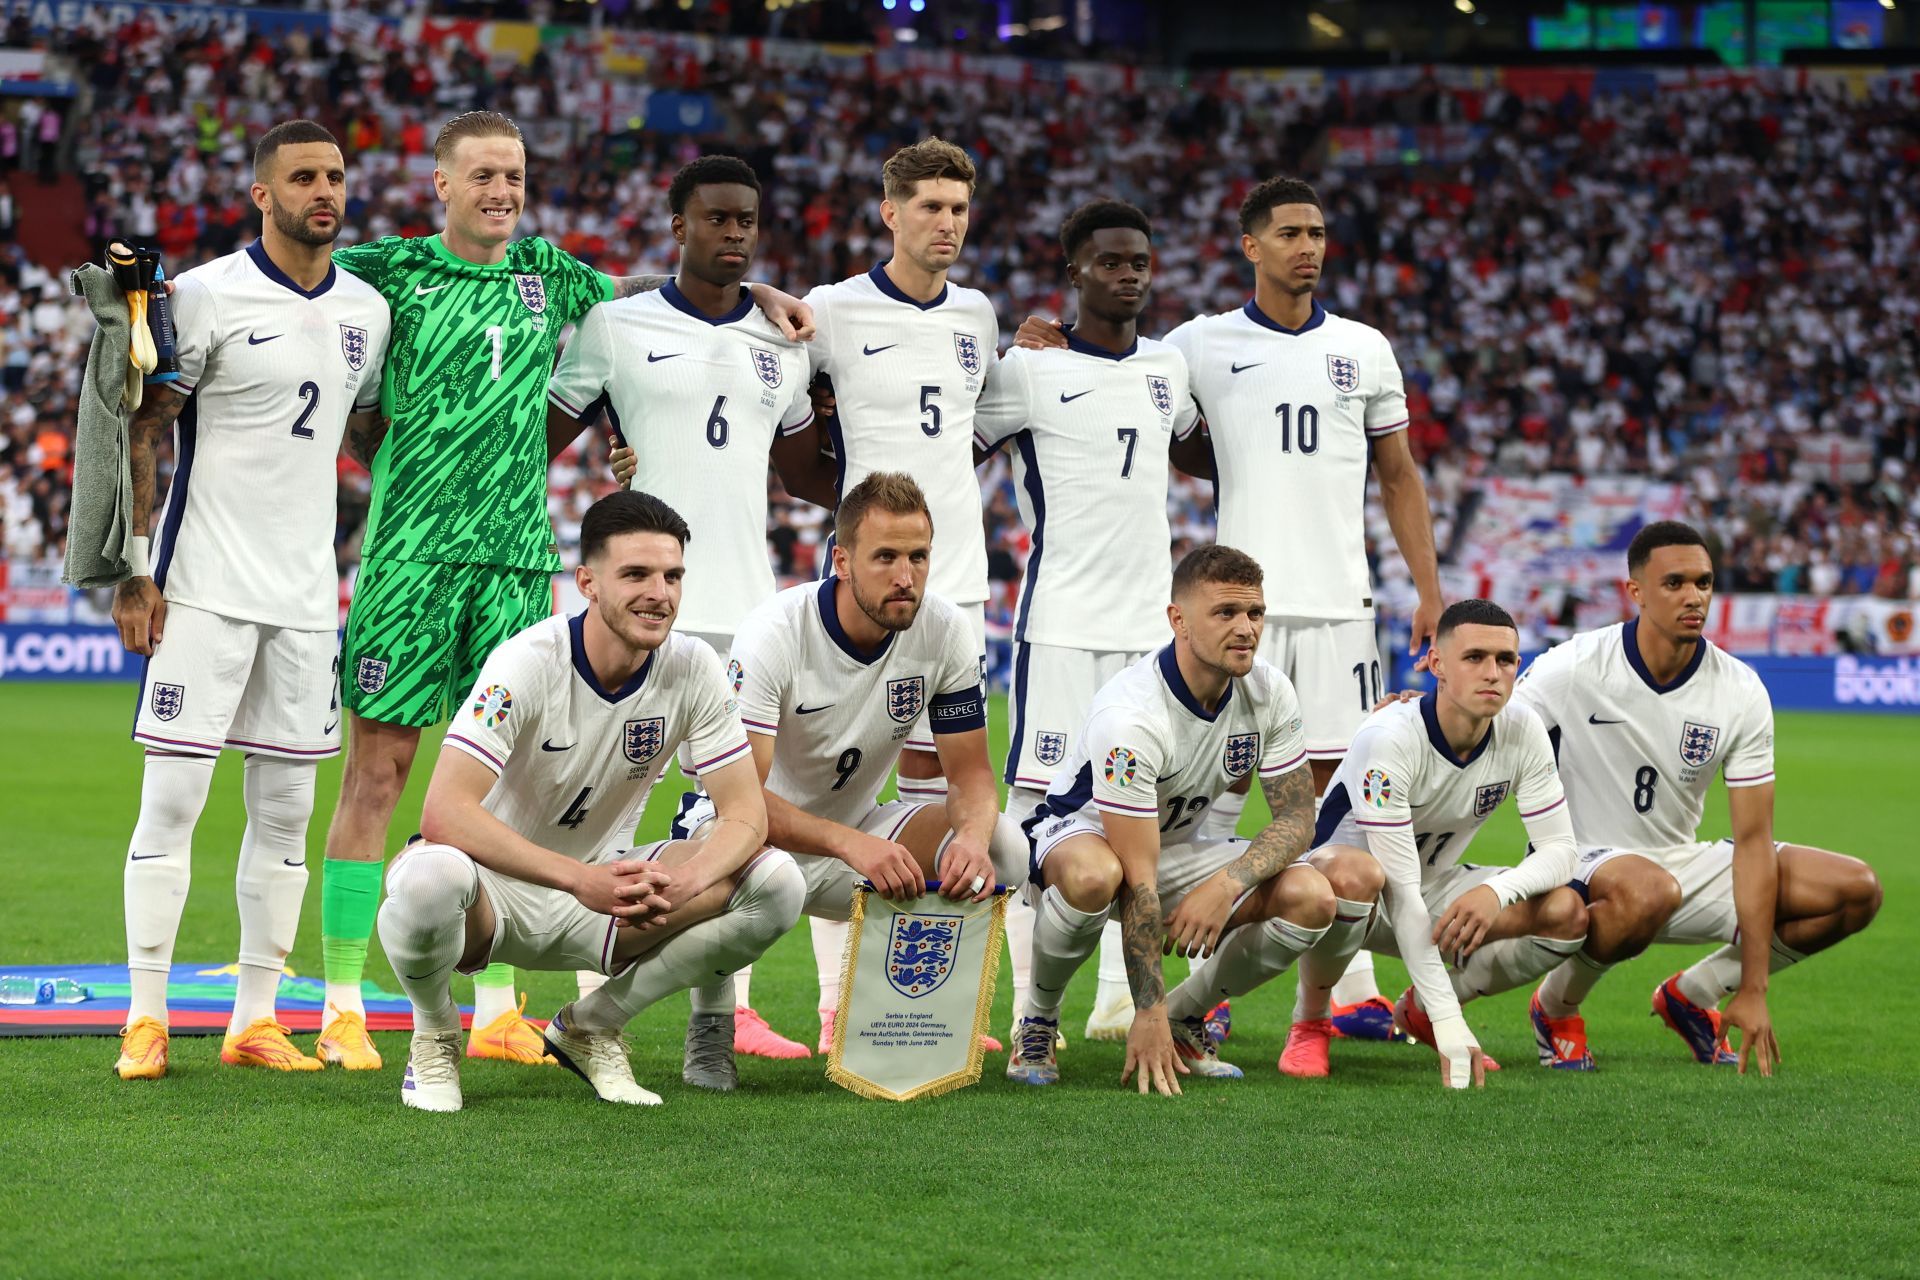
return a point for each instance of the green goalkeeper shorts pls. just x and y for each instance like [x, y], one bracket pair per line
[417, 634]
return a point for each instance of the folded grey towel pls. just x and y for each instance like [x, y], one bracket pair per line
[100, 520]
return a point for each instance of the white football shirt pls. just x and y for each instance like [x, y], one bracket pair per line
[905, 377]
[1090, 431]
[576, 760]
[1638, 756]
[700, 400]
[1291, 413]
[1149, 749]
[840, 714]
[272, 372]
[1404, 796]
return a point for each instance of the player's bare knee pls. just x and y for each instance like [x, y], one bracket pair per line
[1861, 892]
[1089, 882]
[1305, 897]
[1353, 874]
[1562, 913]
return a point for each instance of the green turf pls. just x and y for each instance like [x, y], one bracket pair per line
[1653, 1166]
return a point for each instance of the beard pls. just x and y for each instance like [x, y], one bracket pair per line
[874, 609]
[295, 228]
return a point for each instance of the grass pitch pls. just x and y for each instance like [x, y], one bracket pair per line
[1652, 1166]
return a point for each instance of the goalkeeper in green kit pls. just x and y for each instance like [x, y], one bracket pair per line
[459, 550]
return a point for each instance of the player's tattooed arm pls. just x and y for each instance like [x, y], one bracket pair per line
[139, 610]
[628, 286]
[365, 434]
[1285, 838]
[1142, 937]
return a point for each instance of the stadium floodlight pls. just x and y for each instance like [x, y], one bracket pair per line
[1464, 6]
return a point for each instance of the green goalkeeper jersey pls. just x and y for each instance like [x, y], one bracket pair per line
[462, 475]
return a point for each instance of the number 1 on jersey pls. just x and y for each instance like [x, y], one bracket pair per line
[493, 336]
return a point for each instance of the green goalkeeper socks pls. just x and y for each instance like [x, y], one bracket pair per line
[349, 899]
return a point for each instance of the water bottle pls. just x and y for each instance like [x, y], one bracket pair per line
[62, 991]
[16, 989]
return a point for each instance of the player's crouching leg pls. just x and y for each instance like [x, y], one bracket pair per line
[586, 1036]
[423, 927]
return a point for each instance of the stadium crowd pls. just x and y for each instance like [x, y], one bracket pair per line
[1711, 286]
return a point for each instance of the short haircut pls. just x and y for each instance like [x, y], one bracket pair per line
[1661, 533]
[627, 511]
[926, 159]
[1481, 613]
[1099, 215]
[1215, 564]
[473, 124]
[709, 171]
[1256, 211]
[289, 133]
[891, 491]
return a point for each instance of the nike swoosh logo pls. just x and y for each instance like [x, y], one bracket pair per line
[874, 351]
[289, 862]
[654, 359]
[330, 728]
[1593, 719]
[254, 342]
[807, 711]
[548, 746]
[1242, 368]
[421, 291]
[1069, 399]
[142, 857]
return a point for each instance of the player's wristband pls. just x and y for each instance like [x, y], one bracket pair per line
[138, 552]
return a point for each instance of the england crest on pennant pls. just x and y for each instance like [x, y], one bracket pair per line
[371, 675]
[1161, 392]
[1488, 798]
[906, 697]
[920, 953]
[1243, 751]
[1049, 748]
[353, 345]
[644, 739]
[533, 291]
[167, 700]
[767, 365]
[1344, 373]
[967, 348]
[1698, 742]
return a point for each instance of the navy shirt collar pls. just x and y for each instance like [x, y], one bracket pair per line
[578, 644]
[1630, 641]
[1265, 321]
[258, 252]
[1170, 672]
[1429, 712]
[884, 283]
[1076, 343]
[830, 619]
[679, 302]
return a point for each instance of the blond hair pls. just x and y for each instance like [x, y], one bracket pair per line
[473, 124]
[891, 491]
[927, 159]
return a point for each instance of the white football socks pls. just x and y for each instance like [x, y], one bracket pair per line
[1324, 963]
[829, 949]
[173, 791]
[921, 790]
[1510, 962]
[1568, 986]
[1063, 938]
[423, 929]
[1245, 958]
[271, 879]
[765, 905]
[1357, 984]
[1714, 977]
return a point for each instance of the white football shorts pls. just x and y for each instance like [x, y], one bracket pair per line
[830, 882]
[215, 683]
[1438, 892]
[1705, 872]
[1182, 866]
[1052, 689]
[1335, 670]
